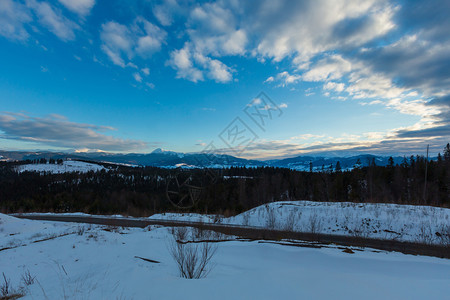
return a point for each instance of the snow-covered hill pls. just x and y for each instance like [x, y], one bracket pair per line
[423, 224]
[66, 167]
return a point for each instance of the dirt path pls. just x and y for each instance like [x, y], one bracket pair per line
[260, 233]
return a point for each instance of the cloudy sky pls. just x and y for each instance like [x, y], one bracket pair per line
[256, 79]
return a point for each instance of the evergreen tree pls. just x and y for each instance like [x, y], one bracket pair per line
[447, 152]
[391, 162]
[357, 164]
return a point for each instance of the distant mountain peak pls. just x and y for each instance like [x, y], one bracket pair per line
[157, 151]
[162, 151]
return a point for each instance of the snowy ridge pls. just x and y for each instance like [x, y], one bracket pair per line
[66, 167]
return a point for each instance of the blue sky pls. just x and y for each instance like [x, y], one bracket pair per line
[132, 76]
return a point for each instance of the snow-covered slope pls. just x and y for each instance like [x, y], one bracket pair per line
[98, 262]
[422, 224]
[65, 167]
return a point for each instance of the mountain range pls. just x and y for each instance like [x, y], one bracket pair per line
[170, 159]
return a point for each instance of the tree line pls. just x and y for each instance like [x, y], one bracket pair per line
[141, 191]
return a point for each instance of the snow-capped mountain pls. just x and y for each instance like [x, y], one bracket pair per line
[171, 159]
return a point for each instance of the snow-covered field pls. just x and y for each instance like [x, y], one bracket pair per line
[66, 167]
[423, 224]
[72, 261]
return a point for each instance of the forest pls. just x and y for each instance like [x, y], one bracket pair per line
[142, 191]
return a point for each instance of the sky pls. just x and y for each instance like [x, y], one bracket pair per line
[255, 79]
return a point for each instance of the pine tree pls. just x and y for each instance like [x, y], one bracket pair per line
[391, 162]
[357, 164]
[447, 152]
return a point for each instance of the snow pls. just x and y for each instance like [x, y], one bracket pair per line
[99, 264]
[374, 220]
[65, 167]
[369, 220]
[187, 217]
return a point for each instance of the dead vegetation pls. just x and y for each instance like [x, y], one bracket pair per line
[193, 259]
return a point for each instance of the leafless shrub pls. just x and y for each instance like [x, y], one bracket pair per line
[218, 236]
[424, 236]
[291, 220]
[199, 233]
[218, 219]
[245, 219]
[27, 278]
[192, 259]
[180, 233]
[271, 221]
[113, 228]
[360, 230]
[444, 235]
[376, 211]
[80, 230]
[93, 236]
[314, 223]
[6, 290]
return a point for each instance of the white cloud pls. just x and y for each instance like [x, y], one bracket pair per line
[307, 28]
[151, 40]
[269, 79]
[255, 101]
[213, 30]
[163, 15]
[122, 43]
[329, 68]
[81, 7]
[338, 87]
[215, 69]
[284, 78]
[137, 77]
[194, 66]
[13, 16]
[116, 40]
[58, 131]
[146, 71]
[181, 60]
[167, 10]
[53, 19]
